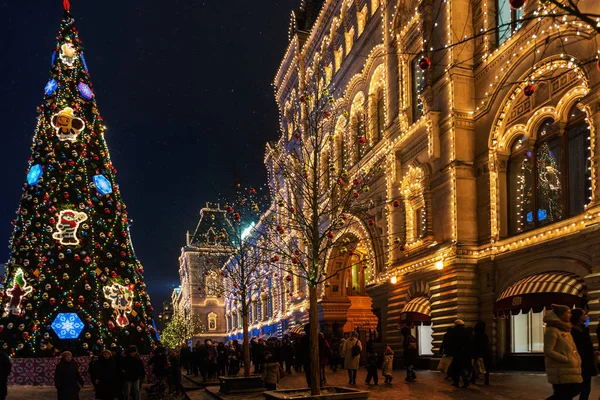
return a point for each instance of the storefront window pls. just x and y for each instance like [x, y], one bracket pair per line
[527, 332]
[424, 335]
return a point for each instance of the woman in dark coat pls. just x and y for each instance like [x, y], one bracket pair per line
[481, 349]
[104, 376]
[67, 379]
[174, 374]
[585, 348]
[410, 353]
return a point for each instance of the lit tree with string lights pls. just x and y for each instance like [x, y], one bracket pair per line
[73, 280]
[181, 328]
[326, 194]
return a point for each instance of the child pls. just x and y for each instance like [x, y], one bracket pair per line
[271, 373]
[372, 369]
[388, 361]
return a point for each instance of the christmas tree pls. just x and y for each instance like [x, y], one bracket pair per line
[73, 280]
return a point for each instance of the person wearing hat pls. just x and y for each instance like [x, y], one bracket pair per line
[460, 351]
[585, 348]
[563, 364]
[132, 371]
[67, 380]
[103, 374]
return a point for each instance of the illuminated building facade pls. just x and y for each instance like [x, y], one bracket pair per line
[486, 120]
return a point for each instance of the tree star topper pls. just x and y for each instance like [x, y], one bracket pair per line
[67, 125]
[67, 226]
[121, 298]
[16, 293]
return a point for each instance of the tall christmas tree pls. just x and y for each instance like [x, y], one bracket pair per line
[73, 280]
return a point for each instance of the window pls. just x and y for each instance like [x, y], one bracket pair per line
[361, 19]
[507, 20]
[527, 332]
[212, 321]
[380, 116]
[424, 335]
[337, 56]
[349, 40]
[551, 179]
[417, 86]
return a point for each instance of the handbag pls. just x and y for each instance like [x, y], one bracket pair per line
[479, 366]
[444, 364]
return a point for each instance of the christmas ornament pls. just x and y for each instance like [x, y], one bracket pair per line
[516, 4]
[67, 326]
[50, 87]
[103, 185]
[67, 226]
[85, 91]
[35, 173]
[67, 54]
[67, 126]
[121, 299]
[424, 63]
[16, 293]
[529, 90]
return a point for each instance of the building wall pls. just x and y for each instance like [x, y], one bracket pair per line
[447, 153]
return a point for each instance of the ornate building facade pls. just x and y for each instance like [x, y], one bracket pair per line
[486, 119]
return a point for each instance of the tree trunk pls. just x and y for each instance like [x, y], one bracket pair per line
[246, 346]
[315, 365]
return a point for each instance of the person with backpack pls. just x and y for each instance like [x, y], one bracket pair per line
[351, 351]
[409, 345]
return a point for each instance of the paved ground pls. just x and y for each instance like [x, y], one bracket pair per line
[429, 386]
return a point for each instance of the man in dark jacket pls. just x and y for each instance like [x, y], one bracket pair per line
[185, 356]
[585, 348]
[460, 351]
[103, 373]
[132, 370]
[5, 368]
[481, 350]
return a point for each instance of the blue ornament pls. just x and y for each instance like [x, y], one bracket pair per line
[53, 58]
[35, 173]
[103, 185]
[85, 90]
[51, 87]
[67, 326]
[83, 62]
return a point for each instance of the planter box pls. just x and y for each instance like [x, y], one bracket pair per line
[327, 393]
[239, 384]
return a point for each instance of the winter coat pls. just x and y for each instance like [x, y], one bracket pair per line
[271, 373]
[67, 380]
[131, 368]
[174, 376]
[563, 364]
[410, 355]
[324, 352]
[481, 345]
[105, 371]
[388, 361]
[159, 364]
[585, 348]
[460, 344]
[349, 361]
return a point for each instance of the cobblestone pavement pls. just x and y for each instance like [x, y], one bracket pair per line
[429, 386]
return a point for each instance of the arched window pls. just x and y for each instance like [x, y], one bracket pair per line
[550, 180]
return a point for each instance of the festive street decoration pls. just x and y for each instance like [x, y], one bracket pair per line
[51, 87]
[67, 326]
[16, 292]
[529, 90]
[103, 185]
[424, 63]
[85, 91]
[35, 173]
[67, 125]
[70, 236]
[121, 299]
[516, 4]
[67, 226]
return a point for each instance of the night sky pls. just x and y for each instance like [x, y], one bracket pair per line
[185, 90]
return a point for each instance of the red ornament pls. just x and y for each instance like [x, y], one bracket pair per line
[297, 136]
[106, 211]
[113, 274]
[424, 63]
[515, 4]
[340, 181]
[236, 216]
[295, 260]
[361, 140]
[330, 235]
[292, 209]
[326, 114]
[297, 252]
[252, 191]
[355, 194]
[302, 99]
[356, 182]
[529, 90]
[288, 278]
[371, 222]
[274, 258]
[396, 203]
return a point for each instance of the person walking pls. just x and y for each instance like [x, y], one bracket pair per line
[563, 364]
[259, 356]
[195, 358]
[185, 356]
[271, 372]
[132, 372]
[481, 350]
[67, 380]
[174, 374]
[103, 374]
[351, 352]
[409, 346]
[5, 368]
[288, 355]
[324, 355]
[372, 369]
[459, 350]
[221, 359]
[159, 364]
[585, 348]
[388, 362]
[445, 350]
